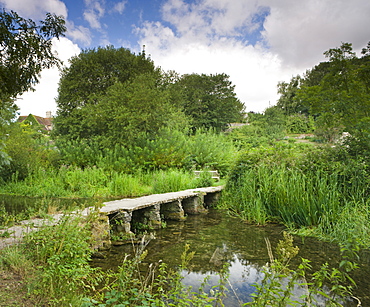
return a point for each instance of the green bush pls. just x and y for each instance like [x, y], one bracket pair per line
[63, 251]
[169, 149]
[299, 123]
[28, 150]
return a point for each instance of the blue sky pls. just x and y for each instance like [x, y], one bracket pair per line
[256, 42]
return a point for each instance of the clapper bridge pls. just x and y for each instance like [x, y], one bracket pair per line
[122, 220]
[125, 216]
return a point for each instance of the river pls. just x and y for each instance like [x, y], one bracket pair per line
[217, 238]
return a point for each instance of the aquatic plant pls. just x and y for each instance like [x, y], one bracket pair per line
[283, 286]
[303, 189]
[159, 286]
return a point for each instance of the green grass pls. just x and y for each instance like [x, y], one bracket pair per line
[95, 182]
[278, 193]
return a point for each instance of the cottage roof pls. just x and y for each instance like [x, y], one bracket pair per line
[46, 122]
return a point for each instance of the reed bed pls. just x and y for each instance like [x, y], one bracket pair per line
[266, 192]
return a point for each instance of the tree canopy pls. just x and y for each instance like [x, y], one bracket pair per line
[93, 71]
[210, 101]
[343, 92]
[113, 95]
[25, 49]
[336, 94]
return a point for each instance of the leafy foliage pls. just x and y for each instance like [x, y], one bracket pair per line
[63, 251]
[87, 80]
[336, 93]
[210, 101]
[25, 49]
[28, 149]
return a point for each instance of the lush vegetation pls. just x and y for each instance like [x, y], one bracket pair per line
[125, 128]
[304, 187]
[25, 51]
[55, 263]
[310, 188]
[78, 169]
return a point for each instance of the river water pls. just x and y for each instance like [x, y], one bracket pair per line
[217, 238]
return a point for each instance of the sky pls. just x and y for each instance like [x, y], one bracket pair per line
[258, 43]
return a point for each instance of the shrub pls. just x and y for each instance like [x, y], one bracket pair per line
[63, 251]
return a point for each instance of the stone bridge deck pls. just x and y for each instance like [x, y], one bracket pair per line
[131, 204]
[130, 216]
[123, 219]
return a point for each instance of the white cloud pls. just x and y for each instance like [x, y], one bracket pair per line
[204, 38]
[300, 31]
[78, 33]
[211, 36]
[36, 8]
[254, 73]
[43, 99]
[93, 13]
[119, 7]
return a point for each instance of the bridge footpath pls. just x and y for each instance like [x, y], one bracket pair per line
[121, 220]
[128, 216]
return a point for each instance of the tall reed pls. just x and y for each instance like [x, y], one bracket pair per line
[285, 194]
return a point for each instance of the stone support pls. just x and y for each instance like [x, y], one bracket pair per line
[147, 218]
[121, 223]
[172, 211]
[100, 233]
[194, 205]
[210, 199]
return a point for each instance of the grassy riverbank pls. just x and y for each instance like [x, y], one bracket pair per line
[95, 182]
[51, 268]
[320, 191]
[314, 190]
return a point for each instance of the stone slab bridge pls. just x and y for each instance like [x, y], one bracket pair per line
[127, 216]
[121, 220]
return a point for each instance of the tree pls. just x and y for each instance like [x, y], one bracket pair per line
[87, 80]
[129, 110]
[343, 91]
[210, 101]
[25, 49]
[288, 101]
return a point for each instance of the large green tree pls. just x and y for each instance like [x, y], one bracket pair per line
[210, 101]
[130, 110]
[343, 92]
[25, 49]
[87, 80]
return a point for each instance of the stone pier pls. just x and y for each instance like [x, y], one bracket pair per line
[129, 216]
[121, 220]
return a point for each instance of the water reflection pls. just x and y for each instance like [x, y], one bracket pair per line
[217, 238]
